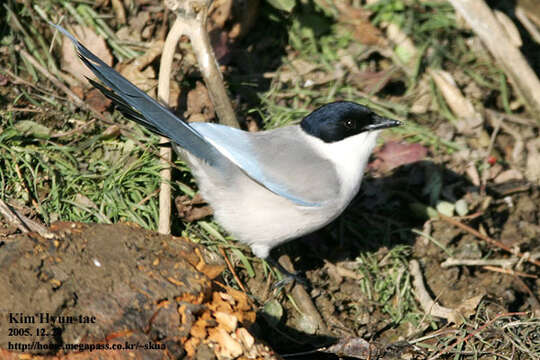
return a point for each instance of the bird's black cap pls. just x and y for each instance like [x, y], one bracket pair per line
[341, 119]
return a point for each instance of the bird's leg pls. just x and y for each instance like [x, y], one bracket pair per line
[288, 277]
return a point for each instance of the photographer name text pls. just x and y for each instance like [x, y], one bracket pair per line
[46, 318]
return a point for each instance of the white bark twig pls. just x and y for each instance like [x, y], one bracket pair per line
[167, 56]
[482, 20]
[208, 66]
[194, 14]
[527, 24]
[505, 263]
[430, 306]
[190, 21]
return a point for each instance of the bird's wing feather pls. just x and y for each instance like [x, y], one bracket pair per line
[148, 112]
[280, 157]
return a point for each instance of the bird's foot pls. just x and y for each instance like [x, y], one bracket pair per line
[288, 277]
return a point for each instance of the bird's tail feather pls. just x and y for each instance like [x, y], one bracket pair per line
[125, 108]
[141, 108]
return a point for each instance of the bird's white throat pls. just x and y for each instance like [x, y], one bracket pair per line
[350, 157]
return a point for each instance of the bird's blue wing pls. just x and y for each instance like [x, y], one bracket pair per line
[279, 159]
[161, 120]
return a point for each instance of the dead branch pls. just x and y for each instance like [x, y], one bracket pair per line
[165, 195]
[428, 304]
[302, 298]
[488, 239]
[23, 223]
[482, 20]
[194, 14]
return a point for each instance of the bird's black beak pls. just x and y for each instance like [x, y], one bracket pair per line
[380, 122]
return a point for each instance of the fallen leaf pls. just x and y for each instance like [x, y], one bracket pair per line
[533, 161]
[245, 337]
[137, 24]
[423, 211]
[322, 77]
[272, 311]
[198, 102]
[32, 128]
[119, 11]
[84, 201]
[110, 132]
[232, 18]
[394, 154]
[371, 81]
[251, 124]
[468, 307]
[97, 100]
[469, 118]
[221, 46]
[190, 210]
[446, 208]
[191, 346]
[462, 208]
[472, 173]
[78, 90]
[245, 17]
[357, 20]
[219, 12]
[3, 80]
[198, 330]
[95, 43]
[285, 5]
[405, 49]
[228, 321]
[508, 175]
[140, 73]
[227, 346]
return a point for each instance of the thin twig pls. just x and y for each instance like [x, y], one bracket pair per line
[478, 262]
[147, 197]
[78, 129]
[487, 239]
[194, 14]
[23, 223]
[13, 109]
[206, 59]
[231, 268]
[429, 305]
[512, 118]
[12, 218]
[165, 195]
[474, 333]
[77, 100]
[509, 271]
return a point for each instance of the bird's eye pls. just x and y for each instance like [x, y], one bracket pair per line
[349, 124]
